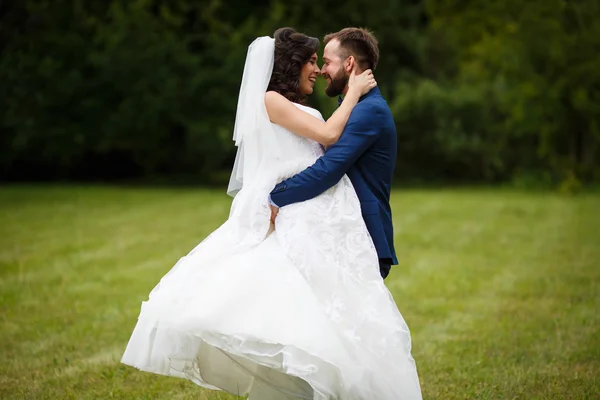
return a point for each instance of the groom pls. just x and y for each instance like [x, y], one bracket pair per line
[366, 151]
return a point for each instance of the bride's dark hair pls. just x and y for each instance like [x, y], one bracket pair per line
[292, 50]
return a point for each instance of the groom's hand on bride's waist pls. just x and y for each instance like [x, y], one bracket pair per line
[274, 210]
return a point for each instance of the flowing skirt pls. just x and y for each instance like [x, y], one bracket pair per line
[299, 312]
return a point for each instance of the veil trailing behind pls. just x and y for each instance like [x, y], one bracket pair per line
[292, 311]
[258, 147]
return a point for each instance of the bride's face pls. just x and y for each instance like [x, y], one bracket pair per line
[308, 76]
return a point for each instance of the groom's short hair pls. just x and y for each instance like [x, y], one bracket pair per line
[357, 42]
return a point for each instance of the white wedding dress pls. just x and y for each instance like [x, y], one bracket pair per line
[295, 311]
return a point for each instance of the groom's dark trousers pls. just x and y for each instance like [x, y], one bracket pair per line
[366, 152]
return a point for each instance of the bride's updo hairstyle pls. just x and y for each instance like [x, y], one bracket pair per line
[292, 50]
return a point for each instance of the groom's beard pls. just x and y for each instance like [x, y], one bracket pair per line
[337, 85]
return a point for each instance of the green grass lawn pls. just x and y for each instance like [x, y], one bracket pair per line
[500, 288]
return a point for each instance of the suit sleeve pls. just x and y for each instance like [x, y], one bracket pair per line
[358, 135]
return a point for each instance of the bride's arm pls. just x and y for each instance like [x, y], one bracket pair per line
[282, 112]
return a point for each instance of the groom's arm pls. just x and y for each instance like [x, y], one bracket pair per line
[358, 135]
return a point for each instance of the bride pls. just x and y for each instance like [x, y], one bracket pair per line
[291, 310]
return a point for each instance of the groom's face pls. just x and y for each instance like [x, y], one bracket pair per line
[334, 69]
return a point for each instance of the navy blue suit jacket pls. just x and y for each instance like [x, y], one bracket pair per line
[366, 152]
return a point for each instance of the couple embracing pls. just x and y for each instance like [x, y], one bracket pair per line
[286, 299]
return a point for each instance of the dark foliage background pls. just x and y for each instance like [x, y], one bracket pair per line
[494, 91]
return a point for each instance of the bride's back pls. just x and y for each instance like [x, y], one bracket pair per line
[299, 152]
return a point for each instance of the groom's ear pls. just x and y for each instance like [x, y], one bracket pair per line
[350, 63]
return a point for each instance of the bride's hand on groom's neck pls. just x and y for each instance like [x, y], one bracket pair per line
[361, 84]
